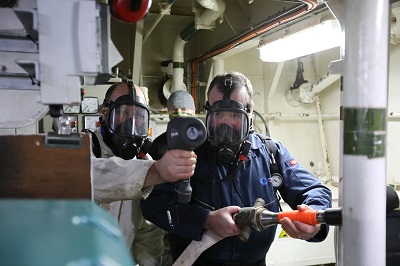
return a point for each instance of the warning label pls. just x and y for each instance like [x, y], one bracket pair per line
[283, 234]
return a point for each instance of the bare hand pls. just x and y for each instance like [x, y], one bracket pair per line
[297, 229]
[221, 222]
[176, 165]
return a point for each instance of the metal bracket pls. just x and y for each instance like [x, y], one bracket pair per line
[72, 141]
[29, 18]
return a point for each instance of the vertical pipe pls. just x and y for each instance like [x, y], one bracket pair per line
[218, 67]
[338, 9]
[322, 137]
[178, 64]
[214, 9]
[137, 53]
[364, 131]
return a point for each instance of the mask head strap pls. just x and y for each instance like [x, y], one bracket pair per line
[106, 102]
[131, 97]
[227, 89]
[132, 92]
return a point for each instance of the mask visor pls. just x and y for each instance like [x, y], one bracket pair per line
[129, 120]
[229, 126]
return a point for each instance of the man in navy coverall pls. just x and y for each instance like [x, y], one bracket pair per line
[222, 184]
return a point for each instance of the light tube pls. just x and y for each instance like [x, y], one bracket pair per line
[314, 39]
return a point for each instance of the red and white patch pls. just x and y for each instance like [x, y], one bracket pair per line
[293, 162]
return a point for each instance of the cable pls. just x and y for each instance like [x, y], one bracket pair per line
[265, 123]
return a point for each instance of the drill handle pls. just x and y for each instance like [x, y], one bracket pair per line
[184, 190]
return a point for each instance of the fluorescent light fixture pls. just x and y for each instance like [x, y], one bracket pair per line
[311, 40]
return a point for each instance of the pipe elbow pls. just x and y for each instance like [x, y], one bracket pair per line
[395, 26]
[214, 11]
[214, 5]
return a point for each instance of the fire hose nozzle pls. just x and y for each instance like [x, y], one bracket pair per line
[258, 218]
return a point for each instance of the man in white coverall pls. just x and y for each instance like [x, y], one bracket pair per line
[123, 174]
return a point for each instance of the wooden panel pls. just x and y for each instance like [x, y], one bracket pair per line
[30, 168]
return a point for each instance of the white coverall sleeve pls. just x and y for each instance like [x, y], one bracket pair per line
[116, 179]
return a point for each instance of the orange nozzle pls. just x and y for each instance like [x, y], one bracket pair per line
[307, 217]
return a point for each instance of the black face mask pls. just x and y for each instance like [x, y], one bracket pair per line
[126, 124]
[226, 153]
[127, 147]
[227, 124]
[226, 134]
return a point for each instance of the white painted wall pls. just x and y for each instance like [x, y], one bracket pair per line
[301, 135]
[393, 151]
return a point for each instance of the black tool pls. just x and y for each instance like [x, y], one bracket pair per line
[185, 133]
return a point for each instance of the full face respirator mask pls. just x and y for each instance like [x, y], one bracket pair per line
[227, 124]
[127, 123]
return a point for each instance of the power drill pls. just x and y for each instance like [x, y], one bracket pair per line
[185, 133]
